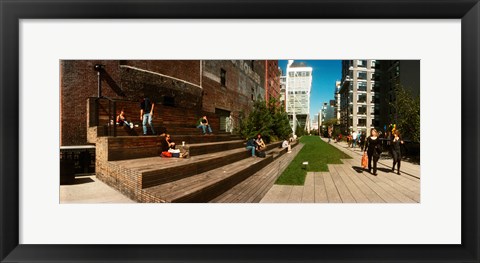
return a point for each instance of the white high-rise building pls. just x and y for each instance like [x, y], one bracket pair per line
[338, 86]
[298, 87]
[360, 95]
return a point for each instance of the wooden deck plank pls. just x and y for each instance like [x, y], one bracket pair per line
[394, 192]
[296, 194]
[401, 186]
[389, 189]
[248, 190]
[371, 195]
[254, 188]
[192, 184]
[390, 179]
[277, 194]
[268, 198]
[308, 195]
[332, 192]
[319, 188]
[352, 187]
[368, 179]
[342, 188]
[405, 180]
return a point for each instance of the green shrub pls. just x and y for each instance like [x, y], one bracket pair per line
[271, 121]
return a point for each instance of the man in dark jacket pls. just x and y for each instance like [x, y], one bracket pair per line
[146, 114]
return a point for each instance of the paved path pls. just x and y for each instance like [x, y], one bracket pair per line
[88, 190]
[349, 183]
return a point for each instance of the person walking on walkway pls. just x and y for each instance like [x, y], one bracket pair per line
[146, 114]
[396, 152]
[363, 136]
[354, 139]
[373, 149]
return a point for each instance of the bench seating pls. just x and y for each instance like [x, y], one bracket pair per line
[136, 177]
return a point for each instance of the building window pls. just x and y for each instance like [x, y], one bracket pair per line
[362, 98]
[223, 77]
[362, 86]
[362, 122]
[362, 75]
[362, 63]
[362, 110]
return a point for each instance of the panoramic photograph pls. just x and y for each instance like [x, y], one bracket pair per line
[239, 131]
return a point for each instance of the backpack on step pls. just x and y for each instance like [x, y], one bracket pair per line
[261, 154]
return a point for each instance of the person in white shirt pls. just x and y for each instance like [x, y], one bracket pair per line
[285, 144]
[354, 139]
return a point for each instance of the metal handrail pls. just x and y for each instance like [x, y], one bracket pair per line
[112, 110]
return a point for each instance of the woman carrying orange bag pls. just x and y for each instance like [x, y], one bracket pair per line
[364, 161]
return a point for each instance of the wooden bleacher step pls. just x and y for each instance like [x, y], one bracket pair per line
[254, 188]
[208, 185]
[165, 171]
[157, 170]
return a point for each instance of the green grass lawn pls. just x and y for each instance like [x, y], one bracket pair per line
[317, 153]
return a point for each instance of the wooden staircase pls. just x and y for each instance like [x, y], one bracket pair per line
[130, 162]
[133, 166]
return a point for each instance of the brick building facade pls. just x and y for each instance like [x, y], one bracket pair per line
[220, 87]
[272, 80]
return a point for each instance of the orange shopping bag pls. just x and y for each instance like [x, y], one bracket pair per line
[364, 160]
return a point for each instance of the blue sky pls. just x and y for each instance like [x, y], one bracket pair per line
[325, 73]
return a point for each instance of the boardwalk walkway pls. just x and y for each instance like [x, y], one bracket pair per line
[349, 183]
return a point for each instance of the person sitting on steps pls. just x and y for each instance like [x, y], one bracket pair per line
[251, 145]
[286, 144]
[122, 119]
[167, 145]
[203, 123]
[260, 144]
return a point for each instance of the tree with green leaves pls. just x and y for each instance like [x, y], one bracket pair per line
[270, 120]
[407, 113]
[329, 123]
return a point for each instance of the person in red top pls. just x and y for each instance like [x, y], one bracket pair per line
[122, 119]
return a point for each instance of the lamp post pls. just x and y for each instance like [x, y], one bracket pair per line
[99, 68]
[294, 117]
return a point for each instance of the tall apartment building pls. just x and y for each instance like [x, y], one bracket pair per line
[283, 92]
[405, 73]
[298, 87]
[359, 95]
[337, 100]
[367, 91]
[328, 111]
[315, 123]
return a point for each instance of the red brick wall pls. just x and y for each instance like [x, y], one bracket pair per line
[273, 80]
[122, 79]
[79, 81]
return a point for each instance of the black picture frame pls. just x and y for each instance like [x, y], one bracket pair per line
[12, 11]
